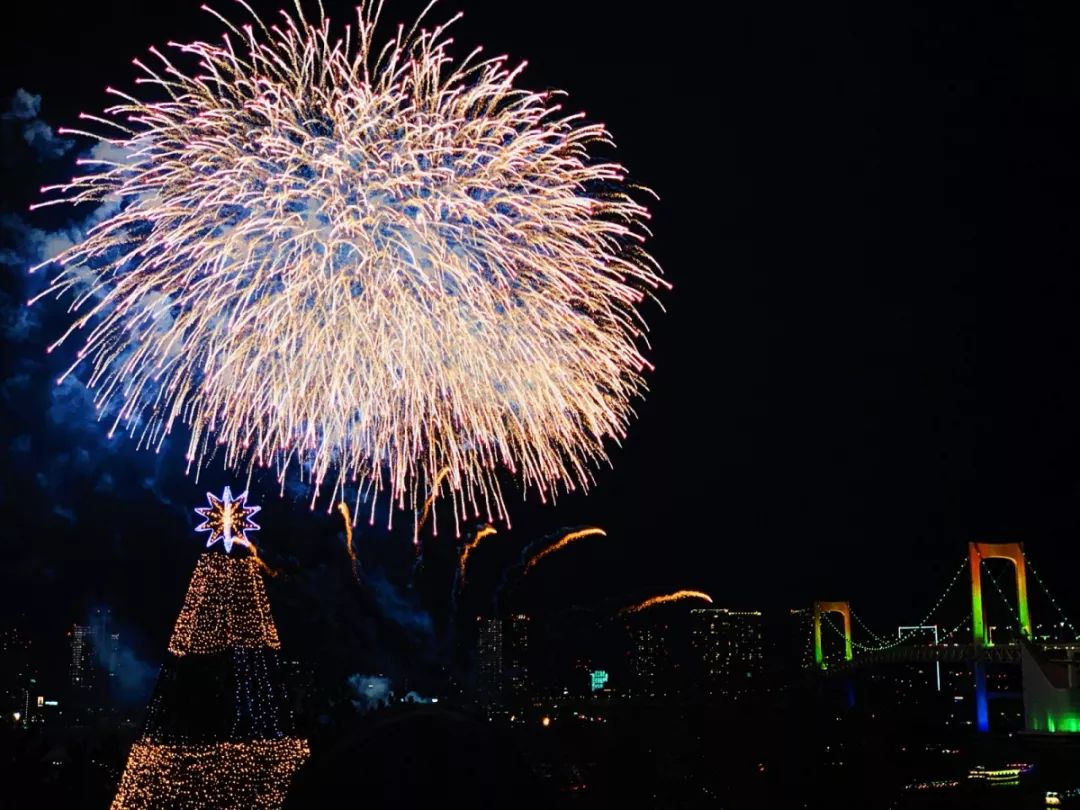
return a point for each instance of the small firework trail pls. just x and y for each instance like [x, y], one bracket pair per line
[344, 509]
[270, 572]
[563, 542]
[445, 471]
[487, 531]
[678, 596]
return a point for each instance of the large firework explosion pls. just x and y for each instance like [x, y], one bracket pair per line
[372, 262]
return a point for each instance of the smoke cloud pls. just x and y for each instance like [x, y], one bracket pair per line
[71, 450]
[23, 113]
[129, 678]
[395, 606]
[370, 692]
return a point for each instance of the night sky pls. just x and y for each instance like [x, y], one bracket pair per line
[867, 360]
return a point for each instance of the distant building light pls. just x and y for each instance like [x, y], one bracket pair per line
[597, 679]
[546, 721]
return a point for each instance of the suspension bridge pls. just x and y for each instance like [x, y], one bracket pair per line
[1050, 667]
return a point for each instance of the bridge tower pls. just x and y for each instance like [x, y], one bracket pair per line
[844, 609]
[1014, 552]
[977, 552]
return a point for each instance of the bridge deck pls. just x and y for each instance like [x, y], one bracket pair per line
[929, 653]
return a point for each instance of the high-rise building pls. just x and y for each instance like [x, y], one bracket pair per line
[489, 658]
[650, 661]
[114, 655]
[515, 674]
[502, 647]
[729, 647]
[82, 670]
[17, 675]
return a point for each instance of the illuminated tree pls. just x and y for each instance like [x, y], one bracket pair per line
[219, 732]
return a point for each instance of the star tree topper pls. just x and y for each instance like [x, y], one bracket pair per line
[228, 519]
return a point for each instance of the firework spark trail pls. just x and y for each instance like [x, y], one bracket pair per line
[562, 543]
[369, 262]
[445, 471]
[270, 572]
[532, 554]
[487, 531]
[678, 596]
[344, 509]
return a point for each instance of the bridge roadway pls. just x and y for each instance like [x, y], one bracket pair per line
[1008, 653]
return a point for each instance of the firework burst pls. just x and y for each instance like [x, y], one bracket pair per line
[367, 262]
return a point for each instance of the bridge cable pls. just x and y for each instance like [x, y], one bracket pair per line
[871, 633]
[955, 630]
[902, 639]
[942, 639]
[1065, 619]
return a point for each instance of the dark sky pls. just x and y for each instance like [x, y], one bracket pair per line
[867, 360]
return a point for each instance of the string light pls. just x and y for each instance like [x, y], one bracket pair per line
[225, 606]
[871, 633]
[945, 636]
[243, 775]
[236, 756]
